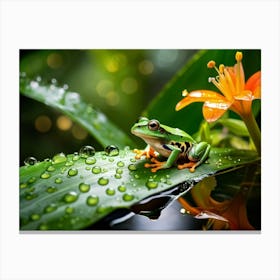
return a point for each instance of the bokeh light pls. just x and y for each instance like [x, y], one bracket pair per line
[43, 124]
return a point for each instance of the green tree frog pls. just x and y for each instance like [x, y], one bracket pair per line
[172, 143]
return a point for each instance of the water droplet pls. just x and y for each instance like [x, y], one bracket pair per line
[112, 150]
[76, 156]
[34, 84]
[22, 185]
[92, 200]
[86, 151]
[58, 180]
[90, 160]
[30, 196]
[110, 191]
[69, 210]
[70, 197]
[43, 227]
[51, 168]
[84, 187]
[59, 158]
[35, 217]
[96, 170]
[50, 208]
[119, 171]
[45, 175]
[128, 197]
[120, 164]
[151, 184]
[122, 188]
[53, 81]
[133, 160]
[118, 176]
[51, 189]
[136, 176]
[69, 163]
[103, 181]
[30, 161]
[72, 172]
[132, 167]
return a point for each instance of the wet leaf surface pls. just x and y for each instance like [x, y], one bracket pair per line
[76, 191]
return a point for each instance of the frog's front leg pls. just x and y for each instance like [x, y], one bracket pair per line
[197, 155]
[148, 152]
[156, 164]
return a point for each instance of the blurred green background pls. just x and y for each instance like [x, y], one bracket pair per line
[120, 83]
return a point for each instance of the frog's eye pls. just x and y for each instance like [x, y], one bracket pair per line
[153, 125]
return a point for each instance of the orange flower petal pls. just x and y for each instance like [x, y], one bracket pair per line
[254, 85]
[200, 96]
[214, 110]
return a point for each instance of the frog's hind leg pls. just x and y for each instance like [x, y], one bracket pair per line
[191, 165]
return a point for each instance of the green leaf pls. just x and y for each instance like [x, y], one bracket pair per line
[237, 127]
[70, 103]
[194, 76]
[74, 192]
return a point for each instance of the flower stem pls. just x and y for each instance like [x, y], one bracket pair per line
[254, 130]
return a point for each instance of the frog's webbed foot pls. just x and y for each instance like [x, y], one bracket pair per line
[156, 165]
[191, 165]
[148, 153]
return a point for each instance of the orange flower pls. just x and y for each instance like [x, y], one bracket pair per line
[237, 95]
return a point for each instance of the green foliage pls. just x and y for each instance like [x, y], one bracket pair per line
[74, 192]
[195, 76]
[71, 104]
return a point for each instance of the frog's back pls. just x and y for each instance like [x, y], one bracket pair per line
[179, 134]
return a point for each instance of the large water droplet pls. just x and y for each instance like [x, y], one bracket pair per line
[59, 158]
[43, 227]
[69, 163]
[118, 176]
[119, 171]
[34, 84]
[132, 167]
[70, 197]
[86, 151]
[120, 164]
[35, 217]
[30, 161]
[50, 208]
[110, 191]
[84, 187]
[22, 185]
[51, 168]
[122, 188]
[151, 184]
[51, 189]
[96, 170]
[90, 160]
[32, 180]
[103, 181]
[72, 172]
[112, 150]
[92, 200]
[58, 180]
[69, 210]
[128, 197]
[45, 175]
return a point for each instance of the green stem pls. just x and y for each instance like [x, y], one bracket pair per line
[254, 130]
